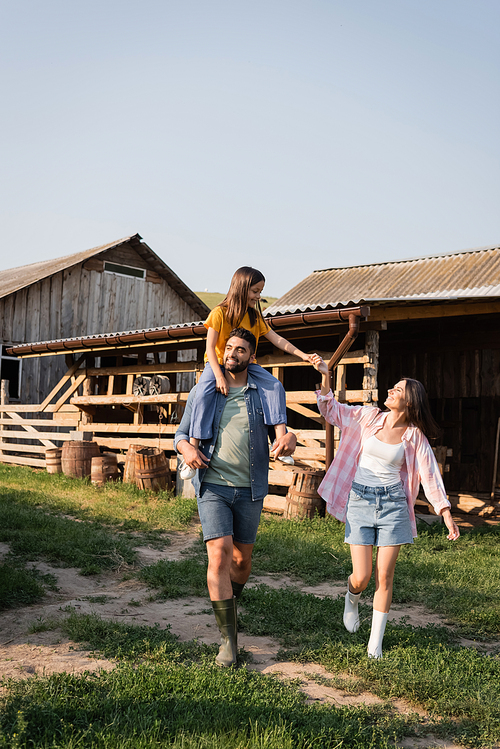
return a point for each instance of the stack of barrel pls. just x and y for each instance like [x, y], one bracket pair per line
[147, 467]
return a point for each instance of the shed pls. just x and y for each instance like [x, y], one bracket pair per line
[438, 321]
[122, 285]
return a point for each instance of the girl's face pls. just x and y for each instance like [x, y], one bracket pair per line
[396, 397]
[254, 293]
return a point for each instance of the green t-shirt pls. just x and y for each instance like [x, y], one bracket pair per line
[230, 462]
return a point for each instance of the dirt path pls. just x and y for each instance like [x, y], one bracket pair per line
[23, 654]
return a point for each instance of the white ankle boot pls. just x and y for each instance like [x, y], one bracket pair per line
[379, 620]
[351, 616]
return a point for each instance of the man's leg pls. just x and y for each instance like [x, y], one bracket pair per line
[220, 554]
[241, 566]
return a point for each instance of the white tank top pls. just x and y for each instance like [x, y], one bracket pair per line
[379, 463]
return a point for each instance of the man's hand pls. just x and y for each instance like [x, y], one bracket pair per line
[192, 456]
[285, 445]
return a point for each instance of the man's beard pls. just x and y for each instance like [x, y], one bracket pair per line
[237, 367]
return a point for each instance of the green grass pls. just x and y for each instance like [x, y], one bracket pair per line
[34, 534]
[121, 506]
[176, 579]
[425, 666]
[20, 586]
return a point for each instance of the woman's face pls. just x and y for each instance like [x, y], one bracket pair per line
[396, 397]
[254, 293]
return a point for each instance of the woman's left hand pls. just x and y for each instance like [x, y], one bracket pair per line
[454, 533]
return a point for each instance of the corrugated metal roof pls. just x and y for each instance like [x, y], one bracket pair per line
[14, 279]
[467, 274]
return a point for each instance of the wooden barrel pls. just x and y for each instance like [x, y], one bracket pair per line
[129, 469]
[76, 458]
[53, 459]
[104, 468]
[152, 470]
[302, 499]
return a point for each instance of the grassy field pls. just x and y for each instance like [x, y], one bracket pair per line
[167, 693]
[213, 298]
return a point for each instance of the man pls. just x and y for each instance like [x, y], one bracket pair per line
[231, 483]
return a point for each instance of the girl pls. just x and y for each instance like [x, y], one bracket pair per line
[372, 486]
[240, 309]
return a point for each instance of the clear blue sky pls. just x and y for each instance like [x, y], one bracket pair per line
[282, 134]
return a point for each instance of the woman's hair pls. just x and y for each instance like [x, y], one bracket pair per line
[236, 301]
[417, 409]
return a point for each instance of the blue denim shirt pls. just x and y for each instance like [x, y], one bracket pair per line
[259, 445]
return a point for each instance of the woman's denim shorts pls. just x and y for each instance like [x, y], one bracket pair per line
[378, 516]
[229, 511]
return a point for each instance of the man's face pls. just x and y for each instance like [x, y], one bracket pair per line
[237, 355]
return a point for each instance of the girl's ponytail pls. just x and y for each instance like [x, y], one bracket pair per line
[236, 301]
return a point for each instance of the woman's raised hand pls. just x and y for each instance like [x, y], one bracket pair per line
[319, 364]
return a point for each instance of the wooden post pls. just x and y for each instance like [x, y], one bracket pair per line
[370, 373]
[4, 399]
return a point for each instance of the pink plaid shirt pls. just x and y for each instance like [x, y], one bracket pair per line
[357, 424]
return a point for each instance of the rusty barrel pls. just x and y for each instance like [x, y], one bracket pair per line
[302, 499]
[152, 470]
[76, 458]
[129, 468]
[104, 468]
[53, 459]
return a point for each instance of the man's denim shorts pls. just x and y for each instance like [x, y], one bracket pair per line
[378, 516]
[229, 511]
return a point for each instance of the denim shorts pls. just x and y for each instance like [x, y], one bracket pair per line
[229, 511]
[378, 516]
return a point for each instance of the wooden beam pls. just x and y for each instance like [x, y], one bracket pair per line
[137, 369]
[434, 310]
[19, 421]
[123, 443]
[305, 412]
[17, 447]
[131, 428]
[20, 461]
[69, 374]
[74, 386]
[126, 400]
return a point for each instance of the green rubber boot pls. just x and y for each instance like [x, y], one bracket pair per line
[237, 589]
[225, 616]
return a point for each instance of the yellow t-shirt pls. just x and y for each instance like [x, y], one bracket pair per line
[218, 321]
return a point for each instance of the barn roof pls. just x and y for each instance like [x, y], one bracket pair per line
[14, 279]
[472, 274]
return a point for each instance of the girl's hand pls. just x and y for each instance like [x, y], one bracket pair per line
[454, 532]
[319, 364]
[221, 385]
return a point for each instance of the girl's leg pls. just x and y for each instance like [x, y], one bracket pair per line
[385, 565]
[203, 412]
[362, 571]
[271, 393]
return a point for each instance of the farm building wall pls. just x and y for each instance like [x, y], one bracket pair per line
[85, 300]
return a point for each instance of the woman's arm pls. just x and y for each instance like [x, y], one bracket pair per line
[432, 483]
[286, 346]
[212, 338]
[321, 366]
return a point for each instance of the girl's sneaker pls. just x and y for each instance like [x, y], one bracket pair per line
[185, 471]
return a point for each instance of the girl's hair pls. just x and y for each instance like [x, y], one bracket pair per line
[236, 301]
[418, 410]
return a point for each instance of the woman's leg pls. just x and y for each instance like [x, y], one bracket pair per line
[385, 565]
[361, 572]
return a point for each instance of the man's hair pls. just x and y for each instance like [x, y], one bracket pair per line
[246, 335]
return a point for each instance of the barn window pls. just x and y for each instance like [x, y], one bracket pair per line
[124, 270]
[10, 369]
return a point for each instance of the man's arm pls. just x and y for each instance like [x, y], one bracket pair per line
[193, 457]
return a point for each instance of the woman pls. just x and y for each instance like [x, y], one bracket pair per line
[372, 486]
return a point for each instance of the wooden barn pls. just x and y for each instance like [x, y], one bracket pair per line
[122, 285]
[438, 320]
